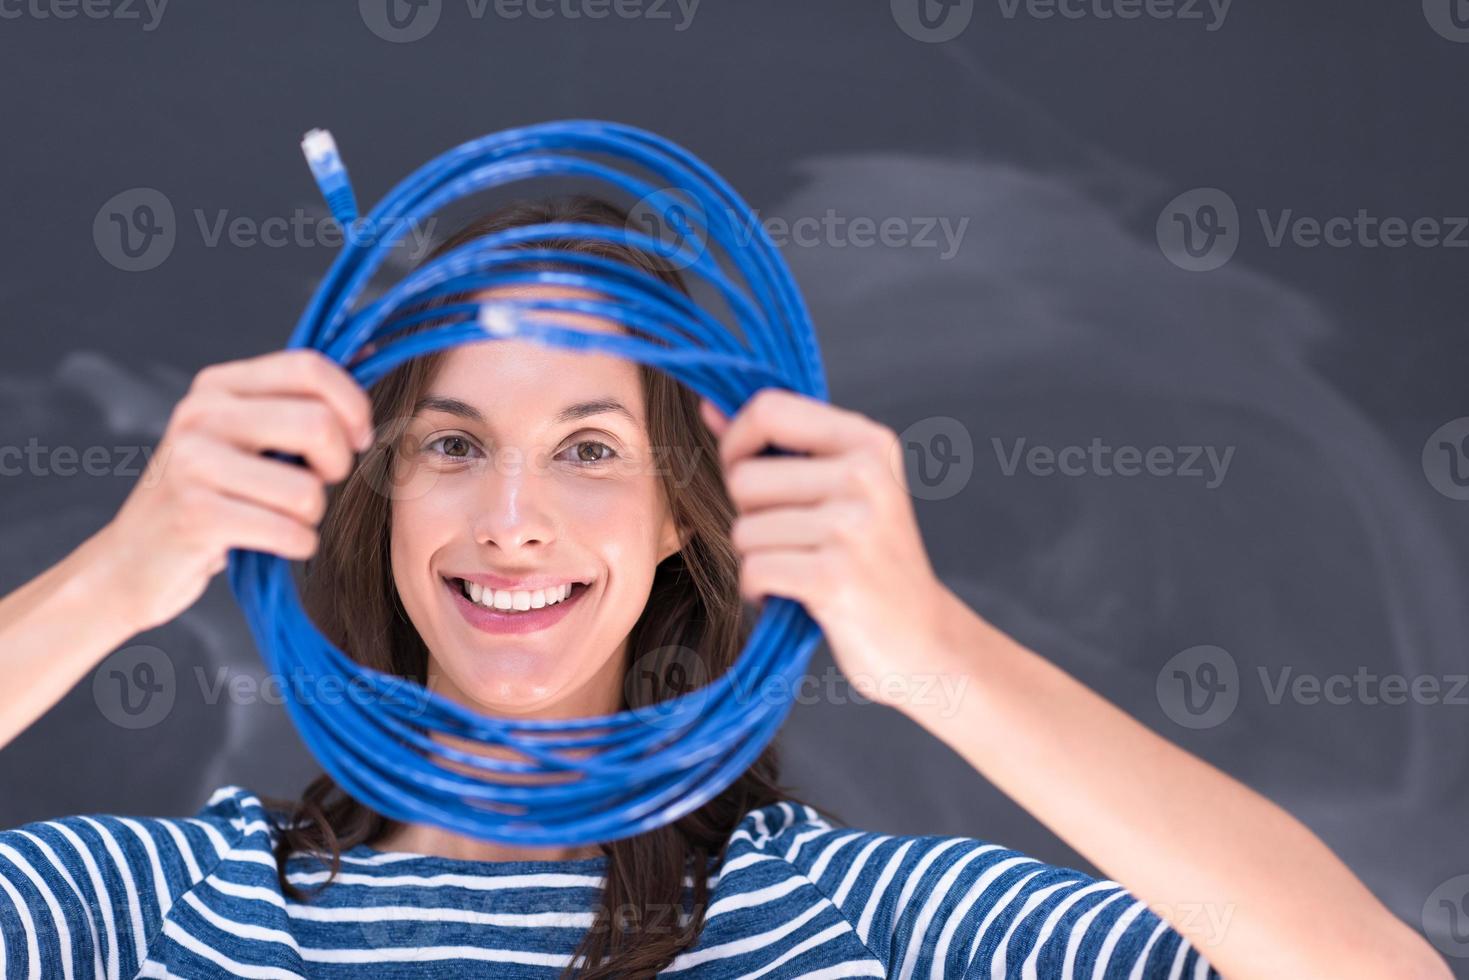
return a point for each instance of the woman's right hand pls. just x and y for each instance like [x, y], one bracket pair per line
[208, 489]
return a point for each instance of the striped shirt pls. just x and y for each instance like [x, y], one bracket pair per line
[793, 896]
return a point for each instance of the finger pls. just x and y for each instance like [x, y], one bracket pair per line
[795, 527]
[298, 372]
[788, 573]
[796, 422]
[716, 420]
[300, 426]
[254, 528]
[283, 487]
[767, 481]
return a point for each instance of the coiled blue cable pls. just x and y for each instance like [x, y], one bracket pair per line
[592, 779]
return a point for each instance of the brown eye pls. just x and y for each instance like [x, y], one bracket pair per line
[590, 452]
[455, 447]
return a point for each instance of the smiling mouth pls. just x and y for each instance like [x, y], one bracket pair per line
[517, 600]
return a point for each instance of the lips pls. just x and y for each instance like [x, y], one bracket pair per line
[509, 621]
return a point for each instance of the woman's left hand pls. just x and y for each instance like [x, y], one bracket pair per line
[835, 530]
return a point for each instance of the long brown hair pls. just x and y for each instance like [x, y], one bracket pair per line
[694, 605]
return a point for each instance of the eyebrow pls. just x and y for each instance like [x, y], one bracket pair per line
[571, 413]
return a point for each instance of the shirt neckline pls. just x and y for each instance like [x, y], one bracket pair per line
[390, 859]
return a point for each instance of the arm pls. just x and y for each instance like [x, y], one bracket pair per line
[58, 626]
[836, 531]
[1177, 831]
[934, 906]
[205, 491]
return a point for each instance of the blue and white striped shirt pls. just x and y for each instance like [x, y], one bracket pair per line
[114, 896]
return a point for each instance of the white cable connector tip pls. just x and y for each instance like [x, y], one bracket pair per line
[497, 319]
[318, 145]
[321, 153]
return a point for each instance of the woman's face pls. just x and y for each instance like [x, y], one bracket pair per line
[525, 466]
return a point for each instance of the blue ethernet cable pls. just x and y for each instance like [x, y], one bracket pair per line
[593, 779]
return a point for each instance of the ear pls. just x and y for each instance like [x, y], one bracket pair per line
[674, 539]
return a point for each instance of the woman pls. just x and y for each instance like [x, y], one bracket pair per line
[612, 516]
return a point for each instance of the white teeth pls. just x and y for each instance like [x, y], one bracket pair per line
[519, 599]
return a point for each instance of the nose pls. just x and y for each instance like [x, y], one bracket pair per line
[509, 513]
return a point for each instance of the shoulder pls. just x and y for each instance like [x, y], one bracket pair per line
[800, 836]
[232, 818]
[99, 886]
[935, 904]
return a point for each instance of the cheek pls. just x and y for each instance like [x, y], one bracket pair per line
[629, 549]
[619, 520]
[415, 526]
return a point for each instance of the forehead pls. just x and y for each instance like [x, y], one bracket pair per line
[501, 375]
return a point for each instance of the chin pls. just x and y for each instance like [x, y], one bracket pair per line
[511, 683]
[501, 692]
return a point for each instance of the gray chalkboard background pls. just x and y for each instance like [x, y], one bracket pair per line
[1074, 161]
